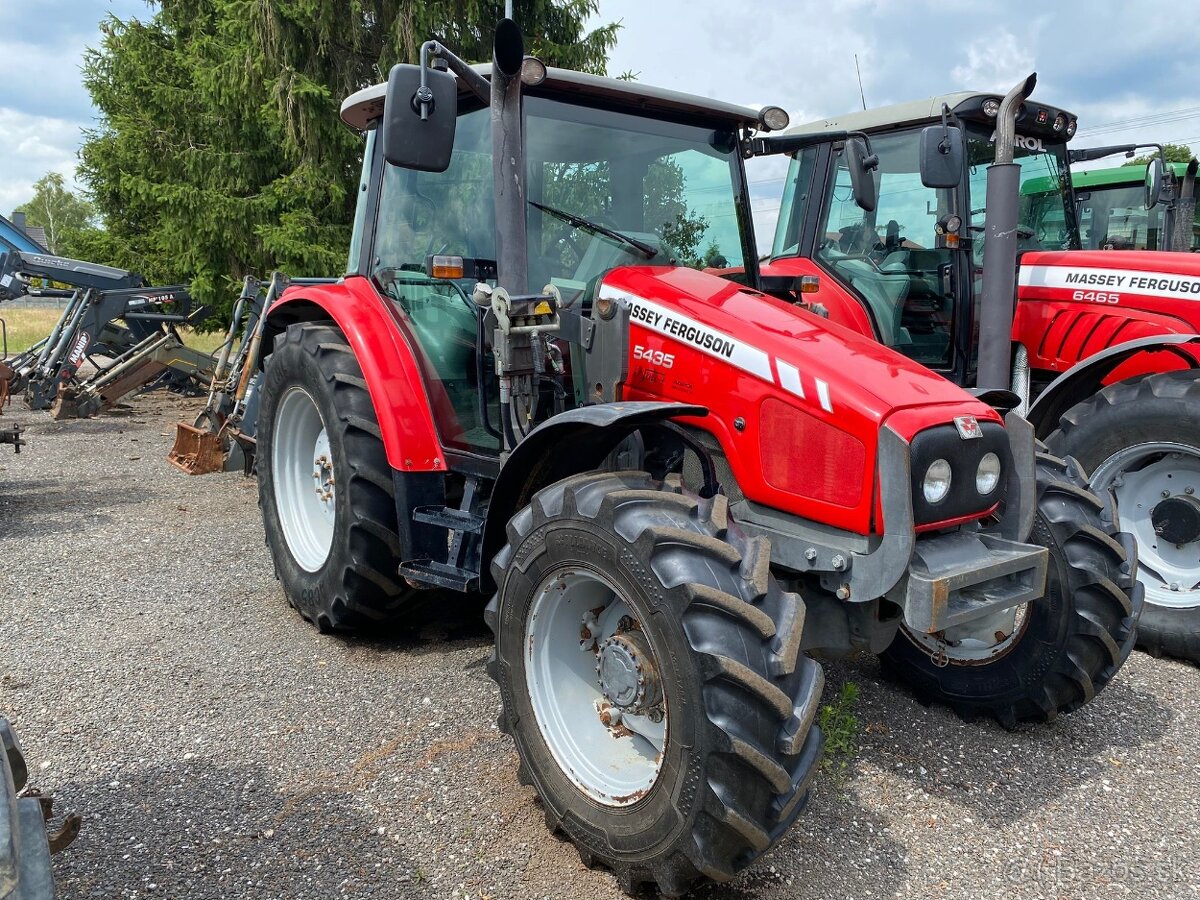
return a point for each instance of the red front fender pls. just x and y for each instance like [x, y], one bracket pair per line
[389, 364]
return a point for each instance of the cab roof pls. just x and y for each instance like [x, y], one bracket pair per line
[964, 104]
[885, 116]
[362, 107]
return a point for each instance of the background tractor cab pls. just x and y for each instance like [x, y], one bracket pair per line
[910, 270]
[971, 262]
[1133, 207]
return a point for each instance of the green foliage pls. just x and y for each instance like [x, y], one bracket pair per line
[1175, 153]
[219, 151]
[65, 216]
[840, 726]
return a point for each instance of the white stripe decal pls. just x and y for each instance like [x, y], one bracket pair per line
[823, 395]
[789, 378]
[697, 335]
[1129, 281]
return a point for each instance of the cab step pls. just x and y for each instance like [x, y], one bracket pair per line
[438, 574]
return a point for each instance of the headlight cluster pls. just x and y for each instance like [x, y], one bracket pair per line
[953, 477]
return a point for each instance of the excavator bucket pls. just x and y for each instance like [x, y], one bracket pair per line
[197, 450]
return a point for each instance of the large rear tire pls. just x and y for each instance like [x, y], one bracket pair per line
[618, 593]
[1141, 440]
[1060, 650]
[325, 486]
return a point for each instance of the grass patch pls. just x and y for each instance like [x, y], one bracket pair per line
[26, 325]
[204, 341]
[840, 726]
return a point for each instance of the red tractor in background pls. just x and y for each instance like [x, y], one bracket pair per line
[1101, 349]
[676, 488]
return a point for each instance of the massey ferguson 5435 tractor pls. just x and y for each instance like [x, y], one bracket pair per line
[675, 486]
[1104, 344]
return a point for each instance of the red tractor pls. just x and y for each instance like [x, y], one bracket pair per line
[676, 488]
[1102, 348]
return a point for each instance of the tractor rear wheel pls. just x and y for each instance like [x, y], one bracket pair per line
[325, 486]
[1051, 655]
[1141, 440]
[652, 680]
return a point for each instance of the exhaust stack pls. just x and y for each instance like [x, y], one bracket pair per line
[1000, 269]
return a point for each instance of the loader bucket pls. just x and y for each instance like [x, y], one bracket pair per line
[197, 451]
[65, 405]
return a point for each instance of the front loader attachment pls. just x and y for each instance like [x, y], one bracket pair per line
[198, 450]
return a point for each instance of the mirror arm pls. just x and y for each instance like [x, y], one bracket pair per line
[1088, 154]
[773, 146]
[476, 83]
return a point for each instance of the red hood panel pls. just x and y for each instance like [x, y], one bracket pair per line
[697, 338]
[1076, 303]
[861, 374]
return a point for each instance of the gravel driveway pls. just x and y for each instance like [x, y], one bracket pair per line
[218, 747]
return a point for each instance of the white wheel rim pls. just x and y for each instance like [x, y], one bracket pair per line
[302, 473]
[1141, 477]
[576, 618]
[976, 643]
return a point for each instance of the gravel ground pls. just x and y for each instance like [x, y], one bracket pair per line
[218, 747]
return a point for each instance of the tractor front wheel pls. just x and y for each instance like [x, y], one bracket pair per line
[325, 486]
[652, 680]
[1141, 440]
[1051, 655]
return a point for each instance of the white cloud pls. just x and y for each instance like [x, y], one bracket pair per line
[994, 63]
[33, 146]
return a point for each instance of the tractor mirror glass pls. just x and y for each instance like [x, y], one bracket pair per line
[408, 140]
[1154, 182]
[941, 156]
[862, 174]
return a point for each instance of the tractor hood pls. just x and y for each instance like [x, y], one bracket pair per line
[796, 402]
[842, 372]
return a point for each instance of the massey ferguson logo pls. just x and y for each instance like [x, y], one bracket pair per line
[968, 427]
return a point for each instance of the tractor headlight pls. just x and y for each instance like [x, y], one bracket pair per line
[987, 474]
[991, 107]
[936, 484]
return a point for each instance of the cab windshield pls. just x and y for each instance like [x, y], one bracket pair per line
[1046, 220]
[672, 187]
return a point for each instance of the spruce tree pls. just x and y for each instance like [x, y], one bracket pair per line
[219, 151]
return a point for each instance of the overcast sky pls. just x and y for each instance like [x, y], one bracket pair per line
[1130, 71]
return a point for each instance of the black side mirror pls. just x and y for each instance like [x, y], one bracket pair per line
[862, 166]
[942, 155]
[417, 132]
[1154, 182]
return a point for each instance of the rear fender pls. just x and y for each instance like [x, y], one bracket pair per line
[1148, 356]
[389, 364]
[572, 442]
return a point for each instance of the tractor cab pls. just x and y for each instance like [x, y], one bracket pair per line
[615, 174]
[912, 265]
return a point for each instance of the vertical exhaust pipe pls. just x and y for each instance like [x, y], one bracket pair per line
[1000, 246]
[508, 158]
